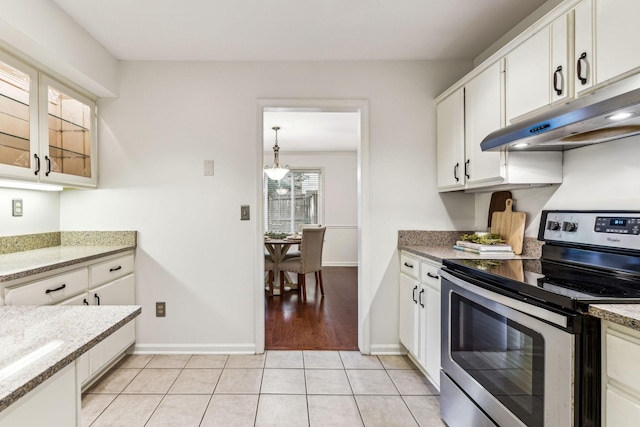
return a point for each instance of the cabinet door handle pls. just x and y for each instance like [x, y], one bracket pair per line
[59, 288]
[583, 58]
[466, 168]
[455, 172]
[420, 296]
[414, 294]
[37, 171]
[85, 302]
[48, 160]
[97, 297]
[408, 265]
[433, 276]
[115, 269]
[557, 80]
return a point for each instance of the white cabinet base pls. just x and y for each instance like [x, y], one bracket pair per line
[54, 403]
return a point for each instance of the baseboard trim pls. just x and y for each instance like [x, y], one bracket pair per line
[340, 264]
[387, 349]
[194, 349]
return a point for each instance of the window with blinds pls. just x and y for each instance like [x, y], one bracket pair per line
[293, 201]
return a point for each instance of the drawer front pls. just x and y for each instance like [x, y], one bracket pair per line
[429, 274]
[48, 291]
[410, 266]
[110, 270]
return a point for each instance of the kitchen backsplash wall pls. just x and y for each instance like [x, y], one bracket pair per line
[41, 212]
[601, 176]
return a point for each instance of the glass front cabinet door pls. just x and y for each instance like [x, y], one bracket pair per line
[47, 129]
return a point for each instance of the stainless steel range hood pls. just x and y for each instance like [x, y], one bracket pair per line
[610, 113]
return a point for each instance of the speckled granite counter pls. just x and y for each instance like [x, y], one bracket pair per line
[623, 314]
[22, 264]
[37, 342]
[438, 253]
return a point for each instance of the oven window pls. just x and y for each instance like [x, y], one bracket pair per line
[506, 358]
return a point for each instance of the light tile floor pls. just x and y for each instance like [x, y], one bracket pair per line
[278, 388]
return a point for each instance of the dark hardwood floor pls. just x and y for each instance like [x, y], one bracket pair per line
[328, 322]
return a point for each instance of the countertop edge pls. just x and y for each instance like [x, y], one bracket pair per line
[438, 253]
[621, 314]
[38, 379]
[62, 264]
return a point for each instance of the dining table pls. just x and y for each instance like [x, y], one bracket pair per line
[278, 248]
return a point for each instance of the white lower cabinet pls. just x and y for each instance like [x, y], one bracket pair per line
[420, 314]
[54, 403]
[110, 282]
[620, 376]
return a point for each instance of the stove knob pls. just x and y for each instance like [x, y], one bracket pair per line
[553, 225]
[569, 227]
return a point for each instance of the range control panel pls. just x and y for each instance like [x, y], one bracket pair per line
[619, 229]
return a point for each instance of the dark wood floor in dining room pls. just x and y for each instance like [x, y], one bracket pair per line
[328, 322]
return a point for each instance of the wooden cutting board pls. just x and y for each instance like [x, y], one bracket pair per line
[497, 203]
[510, 226]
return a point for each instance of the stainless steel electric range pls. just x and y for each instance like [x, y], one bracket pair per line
[518, 348]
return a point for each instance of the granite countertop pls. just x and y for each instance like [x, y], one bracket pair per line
[623, 314]
[37, 342]
[21, 264]
[438, 253]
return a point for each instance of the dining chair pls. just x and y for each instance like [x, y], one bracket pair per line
[309, 261]
[269, 267]
[295, 254]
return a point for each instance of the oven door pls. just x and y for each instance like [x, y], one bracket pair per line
[516, 368]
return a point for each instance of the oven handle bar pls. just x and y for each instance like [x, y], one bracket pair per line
[521, 306]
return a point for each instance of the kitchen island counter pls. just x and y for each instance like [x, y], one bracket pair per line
[37, 342]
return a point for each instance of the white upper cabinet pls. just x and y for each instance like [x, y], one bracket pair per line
[47, 129]
[483, 115]
[538, 71]
[583, 46]
[617, 32]
[527, 75]
[450, 140]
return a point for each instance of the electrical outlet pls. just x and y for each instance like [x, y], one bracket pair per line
[244, 213]
[161, 309]
[17, 207]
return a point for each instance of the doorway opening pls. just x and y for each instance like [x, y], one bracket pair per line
[328, 138]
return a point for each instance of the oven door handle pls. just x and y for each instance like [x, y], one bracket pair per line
[531, 310]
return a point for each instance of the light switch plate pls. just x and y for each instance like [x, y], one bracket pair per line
[244, 213]
[17, 207]
[208, 168]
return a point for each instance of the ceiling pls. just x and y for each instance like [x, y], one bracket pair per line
[298, 30]
[294, 30]
[311, 131]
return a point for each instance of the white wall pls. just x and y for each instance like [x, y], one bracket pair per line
[41, 212]
[194, 252]
[602, 176]
[340, 214]
[40, 30]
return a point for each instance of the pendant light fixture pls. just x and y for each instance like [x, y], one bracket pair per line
[275, 172]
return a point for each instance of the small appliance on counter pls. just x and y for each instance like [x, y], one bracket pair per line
[518, 348]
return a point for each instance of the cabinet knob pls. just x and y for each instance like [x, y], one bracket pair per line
[37, 171]
[557, 80]
[581, 60]
[59, 288]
